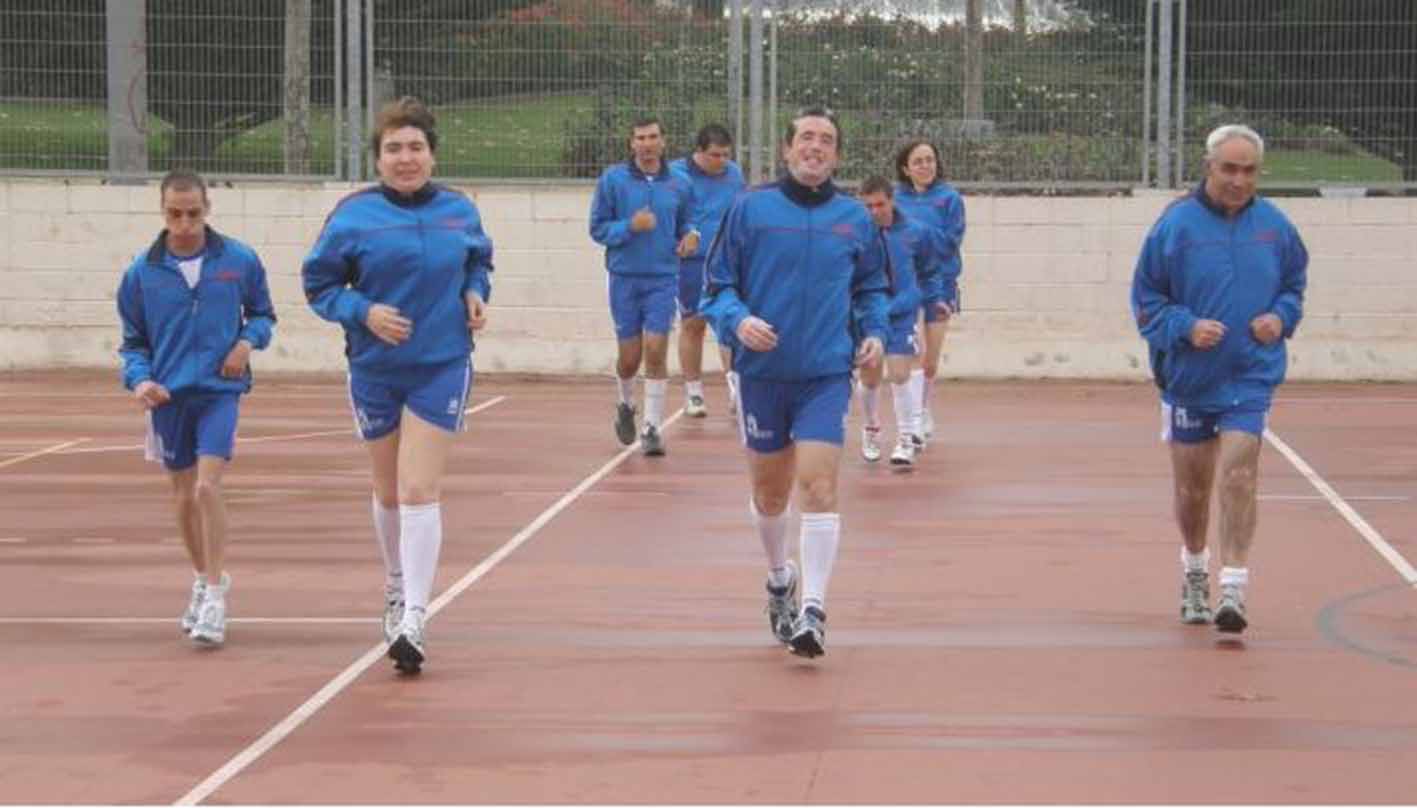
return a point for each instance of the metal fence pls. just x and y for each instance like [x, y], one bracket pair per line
[1048, 94]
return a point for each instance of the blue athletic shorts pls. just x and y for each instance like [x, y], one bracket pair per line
[691, 286]
[900, 339]
[641, 304]
[195, 424]
[1189, 425]
[773, 415]
[437, 394]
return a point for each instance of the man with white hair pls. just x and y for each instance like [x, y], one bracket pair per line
[1218, 288]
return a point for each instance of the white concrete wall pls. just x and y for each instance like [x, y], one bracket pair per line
[1045, 286]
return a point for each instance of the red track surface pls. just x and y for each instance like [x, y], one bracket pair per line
[1003, 623]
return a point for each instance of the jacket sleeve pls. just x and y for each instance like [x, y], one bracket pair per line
[951, 233]
[687, 218]
[871, 288]
[136, 350]
[329, 274]
[722, 302]
[605, 229]
[257, 311]
[1294, 277]
[1162, 320]
[479, 259]
[930, 271]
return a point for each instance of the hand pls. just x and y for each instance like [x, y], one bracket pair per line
[1267, 328]
[476, 313]
[687, 245]
[234, 365]
[870, 352]
[151, 395]
[387, 324]
[643, 220]
[1206, 334]
[756, 334]
[944, 310]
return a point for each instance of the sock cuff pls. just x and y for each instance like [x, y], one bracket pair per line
[1234, 576]
[420, 510]
[822, 519]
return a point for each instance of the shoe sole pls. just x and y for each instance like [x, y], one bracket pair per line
[655, 452]
[696, 413]
[806, 645]
[406, 656]
[1230, 621]
[207, 640]
[1196, 620]
[900, 461]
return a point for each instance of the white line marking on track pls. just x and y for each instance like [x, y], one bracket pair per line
[58, 447]
[15, 540]
[263, 439]
[1317, 498]
[64, 621]
[324, 695]
[1359, 524]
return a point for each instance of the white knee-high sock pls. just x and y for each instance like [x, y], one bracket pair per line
[922, 386]
[386, 533]
[626, 390]
[821, 532]
[654, 401]
[871, 405]
[772, 531]
[421, 527]
[907, 409]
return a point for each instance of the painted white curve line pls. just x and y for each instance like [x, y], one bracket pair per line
[347, 676]
[1367, 531]
[58, 447]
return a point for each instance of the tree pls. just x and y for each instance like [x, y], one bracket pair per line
[1333, 63]
[297, 87]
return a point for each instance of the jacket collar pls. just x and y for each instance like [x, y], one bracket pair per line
[639, 175]
[804, 196]
[214, 247]
[416, 199]
[1210, 204]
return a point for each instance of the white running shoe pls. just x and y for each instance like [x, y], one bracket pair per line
[904, 454]
[194, 605]
[211, 618]
[695, 407]
[393, 611]
[407, 649]
[871, 443]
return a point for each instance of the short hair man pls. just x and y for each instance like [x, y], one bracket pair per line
[799, 275]
[716, 181]
[193, 307]
[642, 214]
[1218, 288]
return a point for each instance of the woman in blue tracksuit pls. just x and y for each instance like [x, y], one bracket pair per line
[1218, 288]
[796, 269]
[931, 201]
[917, 285]
[193, 307]
[403, 266]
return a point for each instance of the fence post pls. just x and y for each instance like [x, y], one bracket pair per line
[735, 74]
[1164, 70]
[127, 50]
[1181, 93]
[755, 89]
[354, 93]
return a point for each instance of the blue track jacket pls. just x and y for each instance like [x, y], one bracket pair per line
[915, 266]
[624, 189]
[419, 253]
[712, 195]
[940, 208]
[812, 264]
[1197, 263]
[178, 336]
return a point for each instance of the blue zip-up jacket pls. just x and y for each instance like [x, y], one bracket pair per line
[178, 336]
[621, 191]
[812, 264]
[915, 267]
[941, 208]
[1199, 263]
[712, 196]
[419, 253]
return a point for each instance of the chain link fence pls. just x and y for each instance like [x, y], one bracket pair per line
[1034, 94]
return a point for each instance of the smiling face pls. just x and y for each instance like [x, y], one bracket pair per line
[812, 154]
[921, 166]
[405, 159]
[1232, 174]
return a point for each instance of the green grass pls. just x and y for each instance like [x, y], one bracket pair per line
[504, 138]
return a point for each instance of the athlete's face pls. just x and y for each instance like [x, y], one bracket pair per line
[880, 206]
[405, 159]
[713, 160]
[185, 214]
[921, 166]
[812, 154]
[647, 144]
[1232, 175]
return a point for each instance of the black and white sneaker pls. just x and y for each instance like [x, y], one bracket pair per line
[407, 649]
[809, 635]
